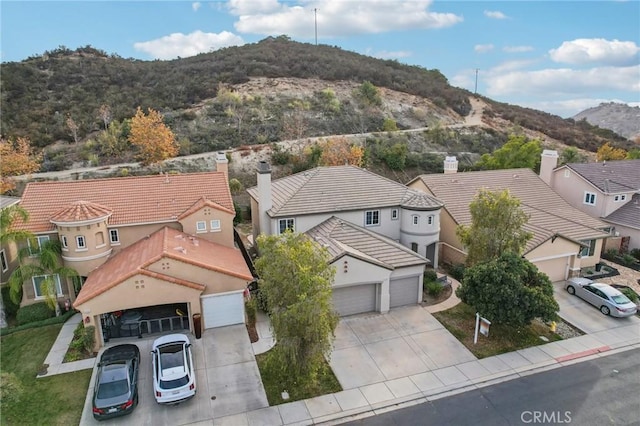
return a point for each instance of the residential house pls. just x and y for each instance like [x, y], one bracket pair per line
[608, 190]
[564, 238]
[152, 244]
[379, 233]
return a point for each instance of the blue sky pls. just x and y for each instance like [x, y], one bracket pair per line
[557, 56]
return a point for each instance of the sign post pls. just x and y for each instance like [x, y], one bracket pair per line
[482, 326]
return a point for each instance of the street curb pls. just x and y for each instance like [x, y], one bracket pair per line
[582, 354]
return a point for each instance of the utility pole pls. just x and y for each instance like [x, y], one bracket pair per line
[475, 92]
[315, 15]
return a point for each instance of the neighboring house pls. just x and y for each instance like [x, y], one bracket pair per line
[161, 241]
[564, 238]
[379, 233]
[609, 190]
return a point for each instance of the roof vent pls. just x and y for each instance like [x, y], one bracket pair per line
[182, 249]
[179, 237]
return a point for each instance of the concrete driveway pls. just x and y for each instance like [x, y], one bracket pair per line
[585, 316]
[227, 377]
[373, 348]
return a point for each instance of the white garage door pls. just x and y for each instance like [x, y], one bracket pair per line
[223, 309]
[355, 299]
[554, 268]
[403, 291]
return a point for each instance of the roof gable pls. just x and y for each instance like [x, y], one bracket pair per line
[610, 176]
[627, 215]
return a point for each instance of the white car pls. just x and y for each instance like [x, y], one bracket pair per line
[609, 300]
[174, 379]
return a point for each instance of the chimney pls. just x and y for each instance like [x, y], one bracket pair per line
[264, 197]
[222, 164]
[548, 162]
[450, 165]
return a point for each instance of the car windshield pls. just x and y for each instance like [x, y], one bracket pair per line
[113, 389]
[175, 383]
[620, 299]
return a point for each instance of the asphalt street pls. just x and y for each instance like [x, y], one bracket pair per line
[604, 391]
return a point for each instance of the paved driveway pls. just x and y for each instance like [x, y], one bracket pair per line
[585, 316]
[373, 348]
[227, 377]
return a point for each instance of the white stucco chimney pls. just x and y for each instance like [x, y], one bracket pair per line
[450, 165]
[548, 162]
[222, 163]
[264, 196]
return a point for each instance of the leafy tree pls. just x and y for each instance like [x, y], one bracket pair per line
[17, 158]
[235, 186]
[633, 154]
[104, 114]
[368, 94]
[73, 128]
[571, 155]
[508, 290]
[496, 227]
[296, 278]
[394, 156]
[517, 152]
[339, 151]
[155, 141]
[607, 153]
[47, 262]
[389, 125]
[235, 105]
[328, 101]
[113, 141]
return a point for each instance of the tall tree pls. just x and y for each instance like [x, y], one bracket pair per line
[155, 141]
[236, 105]
[296, 278]
[509, 290]
[633, 154]
[571, 155]
[17, 158]
[294, 120]
[517, 152]
[339, 151]
[497, 223]
[606, 153]
[73, 128]
[104, 114]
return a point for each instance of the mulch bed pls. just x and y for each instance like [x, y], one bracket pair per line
[253, 333]
[428, 300]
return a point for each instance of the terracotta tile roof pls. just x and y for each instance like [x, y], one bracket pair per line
[80, 211]
[627, 215]
[549, 213]
[202, 202]
[340, 188]
[341, 237]
[164, 243]
[133, 200]
[610, 176]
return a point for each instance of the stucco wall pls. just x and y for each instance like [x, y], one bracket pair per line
[358, 272]
[224, 236]
[572, 188]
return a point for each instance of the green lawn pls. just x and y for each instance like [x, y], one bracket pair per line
[460, 321]
[56, 400]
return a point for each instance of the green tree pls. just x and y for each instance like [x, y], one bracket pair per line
[368, 94]
[296, 278]
[45, 262]
[389, 125]
[235, 186]
[633, 154]
[508, 290]
[497, 223]
[517, 152]
[571, 155]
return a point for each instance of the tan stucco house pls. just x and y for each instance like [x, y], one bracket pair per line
[564, 238]
[379, 233]
[608, 190]
[162, 243]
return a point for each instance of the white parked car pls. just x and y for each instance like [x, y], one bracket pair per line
[609, 300]
[174, 378]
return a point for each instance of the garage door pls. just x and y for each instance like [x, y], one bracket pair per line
[403, 291]
[223, 309]
[354, 299]
[554, 268]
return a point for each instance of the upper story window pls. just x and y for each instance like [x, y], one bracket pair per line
[430, 220]
[621, 197]
[81, 242]
[36, 244]
[372, 218]
[589, 198]
[40, 280]
[394, 214]
[201, 226]
[3, 261]
[415, 219]
[215, 225]
[114, 236]
[590, 250]
[284, 225]
[64, 242]
[567, 173]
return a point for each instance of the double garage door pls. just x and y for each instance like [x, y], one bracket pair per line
[355, 299]
[223, 309]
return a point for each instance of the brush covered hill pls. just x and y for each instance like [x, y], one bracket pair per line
[620, 118]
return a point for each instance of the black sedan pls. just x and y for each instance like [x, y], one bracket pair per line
[116, 390]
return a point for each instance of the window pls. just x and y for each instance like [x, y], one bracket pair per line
[201, 226]
[414, 247]
[114, 236]
[430, 220]
[39, 280]
[81, 242]
[36, 244]
[372, 217]
[63, 241]
[590, 250]
[394, 214]
[590, 198]
[286, 225]
[619, 198]
[3, 261]
[414, 219]
[567, 173]
[215, 225]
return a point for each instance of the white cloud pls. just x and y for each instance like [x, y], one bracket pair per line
[185, 45]
[517, 49]
[195, 6]
[483, 48]
[384, 54]
[495, 14]
[508, 66]
[336, 17]
[596, 50]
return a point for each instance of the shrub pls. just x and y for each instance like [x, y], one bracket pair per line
[635, 253]
[429, 276]
[87, 338]
[630, 294]
[32, 313]
[261, 300]
[10, 388]
[250, 307]
[434, 288]
[279, 156]
[627, 260]
[10, 308]
[457, 271]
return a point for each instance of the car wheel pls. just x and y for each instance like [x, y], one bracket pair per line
[571, 290]
[605, 310]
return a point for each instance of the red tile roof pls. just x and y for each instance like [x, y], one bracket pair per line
[81, 211]
[133, 200]
[164, 243]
